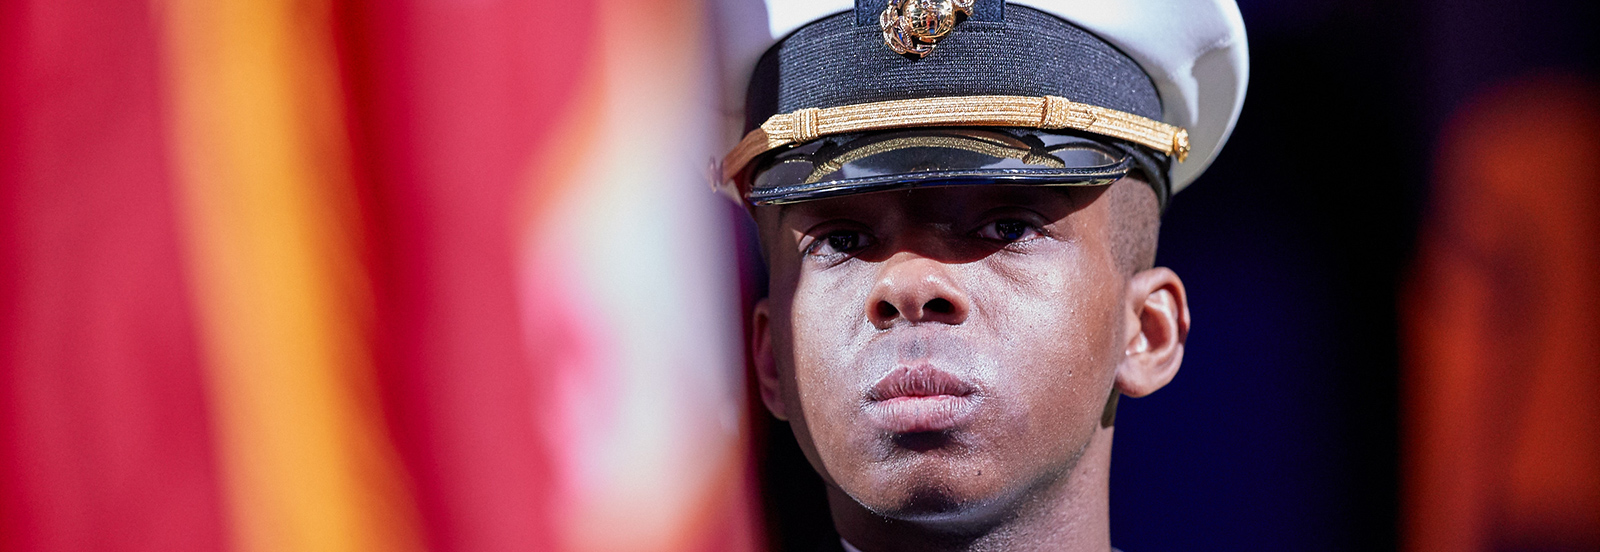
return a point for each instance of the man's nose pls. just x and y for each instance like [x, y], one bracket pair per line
[913, 289]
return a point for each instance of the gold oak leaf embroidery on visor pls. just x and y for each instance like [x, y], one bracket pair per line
[1015, 150]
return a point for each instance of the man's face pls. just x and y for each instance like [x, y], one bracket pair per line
[944, 352]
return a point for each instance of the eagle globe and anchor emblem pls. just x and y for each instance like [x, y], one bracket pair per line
[912, 27]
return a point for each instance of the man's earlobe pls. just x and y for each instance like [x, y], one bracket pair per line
[766, 366]
[1158, 322]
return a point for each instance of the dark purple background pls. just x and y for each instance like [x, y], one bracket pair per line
[1280, 433]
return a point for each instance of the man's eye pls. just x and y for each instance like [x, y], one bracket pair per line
[1008, 230]
[839, 241]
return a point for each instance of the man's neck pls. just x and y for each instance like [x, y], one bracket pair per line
[1071, 514]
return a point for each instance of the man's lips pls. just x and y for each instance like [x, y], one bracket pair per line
[920, 399]
[918, 382]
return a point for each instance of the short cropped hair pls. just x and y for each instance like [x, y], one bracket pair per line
[1135, 224]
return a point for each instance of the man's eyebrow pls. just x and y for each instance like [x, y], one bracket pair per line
[783, 214]
[788, 210]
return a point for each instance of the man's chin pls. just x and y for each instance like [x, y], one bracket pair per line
[939, 501]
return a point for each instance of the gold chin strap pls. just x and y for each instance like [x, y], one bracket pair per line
[1042, 112]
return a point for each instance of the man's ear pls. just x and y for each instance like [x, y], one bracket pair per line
[766, 366]
[1157, 315]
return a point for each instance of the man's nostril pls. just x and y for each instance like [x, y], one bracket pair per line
[941, 306]
[886, 311]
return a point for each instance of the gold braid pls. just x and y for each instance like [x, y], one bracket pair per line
[1042, 112]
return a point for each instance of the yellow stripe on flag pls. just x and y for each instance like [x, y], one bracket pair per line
[275, 242]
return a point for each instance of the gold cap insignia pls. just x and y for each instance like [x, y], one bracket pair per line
[914, 26]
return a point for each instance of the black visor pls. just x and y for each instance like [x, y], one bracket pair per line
[898, 159]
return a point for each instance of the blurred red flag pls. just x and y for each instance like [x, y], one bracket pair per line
[341, 275]
[1501, 421]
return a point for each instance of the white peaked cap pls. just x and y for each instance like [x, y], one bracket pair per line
[1194, 50]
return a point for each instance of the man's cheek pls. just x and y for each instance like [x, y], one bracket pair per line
[818, 366]
[829, 325]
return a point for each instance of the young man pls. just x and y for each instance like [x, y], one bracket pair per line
[958, 203]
